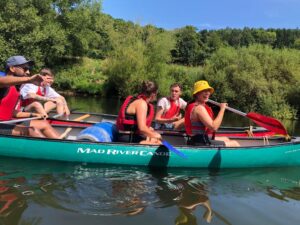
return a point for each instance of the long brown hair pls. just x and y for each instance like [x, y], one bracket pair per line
[148, 87]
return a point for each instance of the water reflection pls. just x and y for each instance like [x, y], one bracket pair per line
[12, 202]
[184, 196]
[187, 193]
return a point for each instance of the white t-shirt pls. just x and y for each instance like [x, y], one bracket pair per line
[32, 88]
[165, 103]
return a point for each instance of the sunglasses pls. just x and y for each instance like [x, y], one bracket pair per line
[25, 68]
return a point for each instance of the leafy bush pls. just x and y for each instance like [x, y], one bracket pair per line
[257, 78]
[84, 77]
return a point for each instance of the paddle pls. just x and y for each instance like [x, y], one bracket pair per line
[20, 120]
[267, 122]
[173, 149]
[68, 130]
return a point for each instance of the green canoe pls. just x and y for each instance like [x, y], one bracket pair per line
[259, 153]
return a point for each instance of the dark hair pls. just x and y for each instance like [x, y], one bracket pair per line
[149, 87]
[46, 71]
[176, 85]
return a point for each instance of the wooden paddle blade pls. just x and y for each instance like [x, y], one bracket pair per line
[171, 148]
[269, 123]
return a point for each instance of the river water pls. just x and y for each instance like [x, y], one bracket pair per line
[48, 192]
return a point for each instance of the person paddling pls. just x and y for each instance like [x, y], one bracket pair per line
[17, 73]
[136, 115]
[200, 121]
[168, 114]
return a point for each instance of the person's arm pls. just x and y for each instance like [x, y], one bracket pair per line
[204, 117]
[161, 107]
[13, 80]
[29, 91]
[141, 115]
[159, 119]
[20, 114]
[39, 98]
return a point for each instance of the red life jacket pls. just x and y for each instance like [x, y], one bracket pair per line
[173, 110]
[26, 102]
[8, 103]
[189, 127]
[125, 120]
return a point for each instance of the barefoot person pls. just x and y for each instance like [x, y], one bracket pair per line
[17, 73]
[168, 114]
[199, 119]
[43, 98]
[136, 115]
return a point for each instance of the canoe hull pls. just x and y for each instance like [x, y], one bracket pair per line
[287, 154]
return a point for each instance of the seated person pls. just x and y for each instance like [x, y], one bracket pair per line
[168, 110]
[199, 121]
[136, 115]
[33, 95]
[17, 73]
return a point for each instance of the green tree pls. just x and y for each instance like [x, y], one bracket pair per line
[142, 55]
[297, 44]
[187, 46]
[264, 37]
[257, 78]
[36, 35]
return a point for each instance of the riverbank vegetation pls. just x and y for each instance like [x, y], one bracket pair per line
[92, 53]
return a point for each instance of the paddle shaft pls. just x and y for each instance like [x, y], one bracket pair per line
[173, 149]
[20, 120]
[228, 108]
[68, 130]
[28, 119]
[269, 123]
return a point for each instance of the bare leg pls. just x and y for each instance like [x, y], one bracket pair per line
[52, 105]
[36, 107]
[27, 131]
[228, 142]
[222, 139]
[46, 129]
[49, 106]
[231, 143]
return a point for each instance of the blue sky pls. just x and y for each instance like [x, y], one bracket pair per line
[207, 14]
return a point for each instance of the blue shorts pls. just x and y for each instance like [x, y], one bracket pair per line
[164, 126]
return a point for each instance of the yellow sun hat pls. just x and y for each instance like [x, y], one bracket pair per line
[202, 85]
